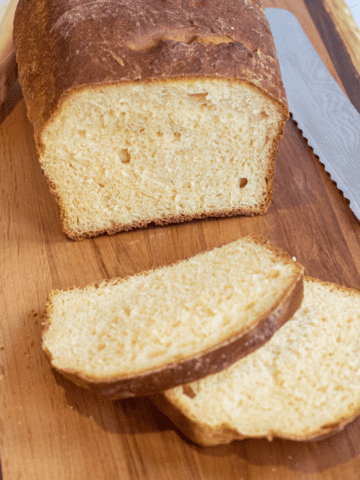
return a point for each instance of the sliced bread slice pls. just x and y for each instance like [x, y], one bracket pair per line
[303, 384]
[172, 325]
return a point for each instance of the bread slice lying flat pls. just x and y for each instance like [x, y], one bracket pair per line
[303, 384]
[169, 326]
[151, 111]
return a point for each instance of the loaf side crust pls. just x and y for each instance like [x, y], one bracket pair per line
[201, 434]
[212, 360]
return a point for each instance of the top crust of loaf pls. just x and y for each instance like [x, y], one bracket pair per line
[78, 43]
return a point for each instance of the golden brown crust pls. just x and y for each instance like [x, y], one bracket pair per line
[212, 360]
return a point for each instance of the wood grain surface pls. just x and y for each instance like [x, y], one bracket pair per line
[53, 430]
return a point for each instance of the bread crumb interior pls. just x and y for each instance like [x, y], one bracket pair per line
[122, 154]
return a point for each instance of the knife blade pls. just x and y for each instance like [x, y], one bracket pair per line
[322, 111]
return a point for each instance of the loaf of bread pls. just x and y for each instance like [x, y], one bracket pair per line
[304, 384]
[151, 110]
[152, 331]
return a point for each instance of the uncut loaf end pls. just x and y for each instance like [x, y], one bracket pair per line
[152, 331]
[151, 111]
[304, 384]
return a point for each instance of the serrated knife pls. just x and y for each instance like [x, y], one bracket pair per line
[322, 111]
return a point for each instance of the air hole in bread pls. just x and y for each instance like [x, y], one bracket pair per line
[159, 133]
[82, 133]
[243, 182]
[199, 96]
[177, 136]
[188, 391]
[263, 115]
[275, 274]
[331, 426]
[124, 155]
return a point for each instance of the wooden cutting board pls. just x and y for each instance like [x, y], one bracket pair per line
[53, 430]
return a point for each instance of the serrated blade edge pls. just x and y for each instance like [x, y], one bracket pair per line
[322, 111]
